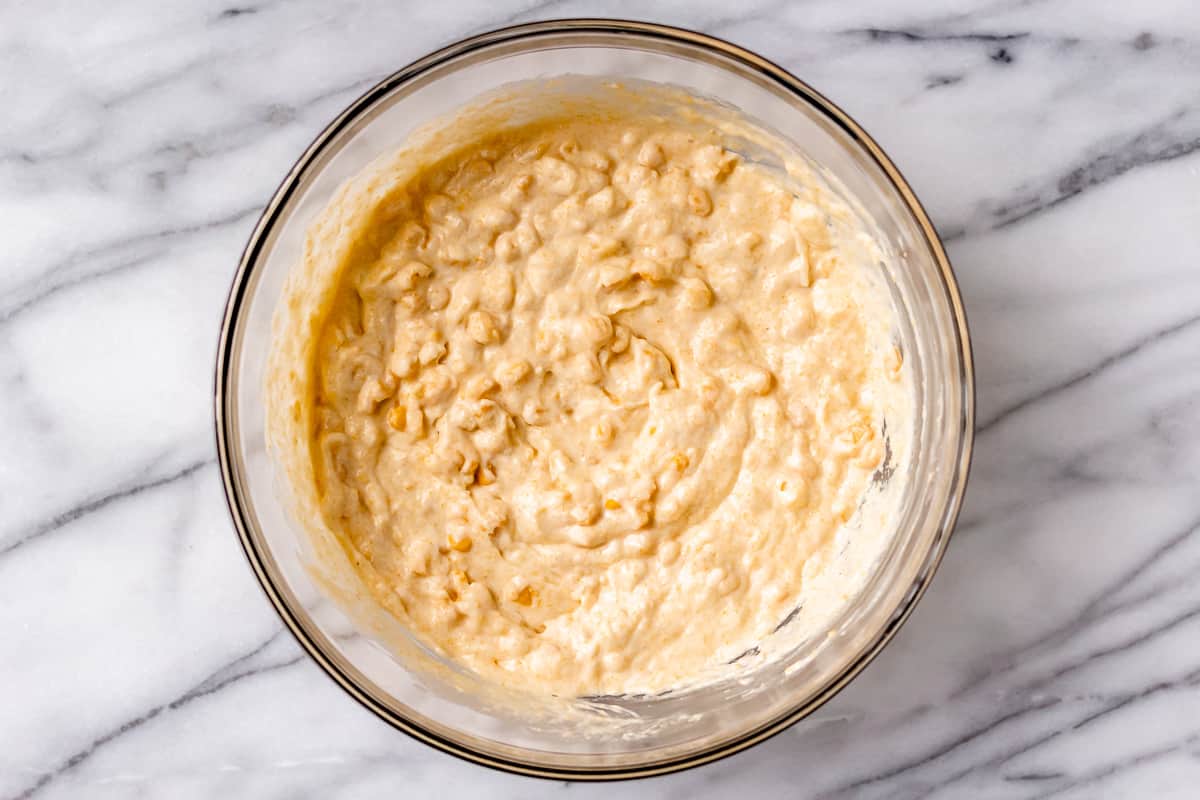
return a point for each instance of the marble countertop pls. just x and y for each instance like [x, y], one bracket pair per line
[1057, 147]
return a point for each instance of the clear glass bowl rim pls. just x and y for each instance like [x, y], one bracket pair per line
[228, 348]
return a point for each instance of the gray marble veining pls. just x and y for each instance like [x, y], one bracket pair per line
[1057, 147]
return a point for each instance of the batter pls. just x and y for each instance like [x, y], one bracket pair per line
[594, 397]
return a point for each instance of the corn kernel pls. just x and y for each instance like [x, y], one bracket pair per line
[894, 362]
[860, 432]
[482, 327]
[603, 432]
[651, 155]
[699, 202]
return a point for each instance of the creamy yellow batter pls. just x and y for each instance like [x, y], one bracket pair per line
[594, 397]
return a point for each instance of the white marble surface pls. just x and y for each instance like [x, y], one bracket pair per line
[1057, 146]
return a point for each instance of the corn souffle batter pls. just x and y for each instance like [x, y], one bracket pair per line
[594, 399]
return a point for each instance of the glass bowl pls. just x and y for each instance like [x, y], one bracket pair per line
[615, 737]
